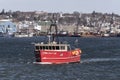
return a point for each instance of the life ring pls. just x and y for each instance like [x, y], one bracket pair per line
[80, 51]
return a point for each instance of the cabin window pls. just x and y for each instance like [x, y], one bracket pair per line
[43, 47]
[53, 47]
[40, 47]
[46, 47]
[50, 47]
[37, 47]
[57, 48]
[68, 47]
[62, 47]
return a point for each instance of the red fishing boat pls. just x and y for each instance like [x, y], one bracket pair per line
[54, 52]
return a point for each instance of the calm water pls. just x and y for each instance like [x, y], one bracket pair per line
[100, 60]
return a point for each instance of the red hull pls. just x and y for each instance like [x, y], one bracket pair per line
[57, 57]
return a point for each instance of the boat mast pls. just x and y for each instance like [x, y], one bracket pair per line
[54, 25]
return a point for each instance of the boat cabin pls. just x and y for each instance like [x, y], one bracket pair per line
[55, 47]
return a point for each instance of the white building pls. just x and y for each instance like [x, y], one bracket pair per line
[6, 26]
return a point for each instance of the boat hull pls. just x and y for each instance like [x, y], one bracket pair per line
[57, 57]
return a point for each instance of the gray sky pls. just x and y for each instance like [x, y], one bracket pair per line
[85, 6]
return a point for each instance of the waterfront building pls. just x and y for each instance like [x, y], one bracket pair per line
[7, 27]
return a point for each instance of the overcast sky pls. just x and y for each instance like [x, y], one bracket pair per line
[84, 6]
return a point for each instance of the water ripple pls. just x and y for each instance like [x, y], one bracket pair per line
[100, 60]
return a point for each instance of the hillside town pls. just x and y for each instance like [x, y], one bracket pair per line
[36, 23]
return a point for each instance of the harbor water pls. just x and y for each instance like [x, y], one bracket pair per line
[100, 60]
